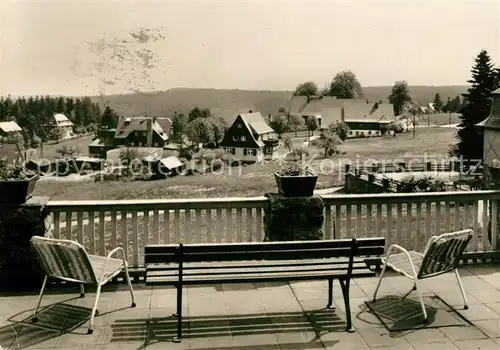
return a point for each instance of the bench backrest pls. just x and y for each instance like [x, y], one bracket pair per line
[63, 259]
[443, 253]
[297, 250]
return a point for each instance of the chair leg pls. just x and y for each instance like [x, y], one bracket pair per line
[94, 309]
[44, 284]
[380, 280]
[460, 285]
[127, 277]
[424, 311]
[82, 290]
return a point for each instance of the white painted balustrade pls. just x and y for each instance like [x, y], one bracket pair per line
[407, 219]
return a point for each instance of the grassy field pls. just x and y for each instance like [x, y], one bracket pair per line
[82, 144]
[256, 179]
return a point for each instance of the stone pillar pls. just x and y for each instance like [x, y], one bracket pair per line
[19, 269]
[293, 218]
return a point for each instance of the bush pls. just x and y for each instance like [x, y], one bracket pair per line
[426, 184]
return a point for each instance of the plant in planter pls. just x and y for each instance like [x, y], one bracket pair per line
[16, 183]
[494, 169]
[295, 179]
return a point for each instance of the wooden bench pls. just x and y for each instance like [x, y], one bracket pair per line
[184, 264]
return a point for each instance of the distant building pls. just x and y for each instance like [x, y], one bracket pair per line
[9, 128]
[9, 150]
[249, 138]
[364, 118]
[64, 124]
[133, 132]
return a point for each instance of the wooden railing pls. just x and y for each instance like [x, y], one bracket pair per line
[406, 219]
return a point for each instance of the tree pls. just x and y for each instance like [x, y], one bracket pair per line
[109, 118]
[340, 129]
[456, 104]
[484, 81]
[447, 108]
[219, 126]
[201, 131]
[179, 127]
[55, 133]
[312, 124]
[309, 88]
[295, 121]
[288, 143]
[329, 141]
[279, 124]
[438, 103]
[196, 113]
[346, 85]
[68, 151]
[400, 95]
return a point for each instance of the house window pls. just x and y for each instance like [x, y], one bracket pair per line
[236, 138]
[249, 152]
[238, 125]
[132, 144]
[243, 138]
[144, 133]
[231, 151]
[156, 144]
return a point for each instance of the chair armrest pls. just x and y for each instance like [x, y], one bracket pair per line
[110, 256]
[393, 248]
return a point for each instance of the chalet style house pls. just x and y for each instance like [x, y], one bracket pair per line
[64, 124]
[133, 132]
[249, 138]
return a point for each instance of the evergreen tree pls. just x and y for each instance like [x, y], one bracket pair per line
[483, 82]
[109, 118]
[448, 107]
[438, 103]
[456, 104]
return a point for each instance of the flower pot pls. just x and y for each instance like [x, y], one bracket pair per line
[296, 186]
[17, 191]
[495, 173]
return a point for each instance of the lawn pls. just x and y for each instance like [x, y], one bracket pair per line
[257, 179]
[82, 145]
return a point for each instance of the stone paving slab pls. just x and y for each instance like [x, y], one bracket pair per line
[252, 317]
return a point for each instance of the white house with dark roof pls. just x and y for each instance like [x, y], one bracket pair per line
[7, 128]
[249, 138]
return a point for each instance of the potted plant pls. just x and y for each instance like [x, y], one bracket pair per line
[495, 170]
[295, 180]
[16, 183]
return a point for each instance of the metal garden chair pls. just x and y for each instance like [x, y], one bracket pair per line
[68, 261]
[441, 255]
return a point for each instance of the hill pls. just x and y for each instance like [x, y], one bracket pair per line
[165, 103]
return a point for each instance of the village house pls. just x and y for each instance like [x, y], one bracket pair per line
[133, 132]
[365, 119]
[9, 149]
[249, 138]
[62, 122]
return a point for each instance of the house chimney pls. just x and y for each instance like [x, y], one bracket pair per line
[149, 132]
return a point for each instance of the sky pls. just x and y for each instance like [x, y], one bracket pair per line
[257, 45]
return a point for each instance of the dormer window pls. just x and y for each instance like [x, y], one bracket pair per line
[236, 138]
[243, 138]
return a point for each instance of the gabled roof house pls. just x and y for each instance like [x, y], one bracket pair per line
[249, 138]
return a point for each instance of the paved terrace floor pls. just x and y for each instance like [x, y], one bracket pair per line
[254, 317]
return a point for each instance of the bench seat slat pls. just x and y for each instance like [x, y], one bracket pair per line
[253, 263]
[257, 277]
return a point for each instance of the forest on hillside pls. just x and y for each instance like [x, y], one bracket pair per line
[35, 115]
